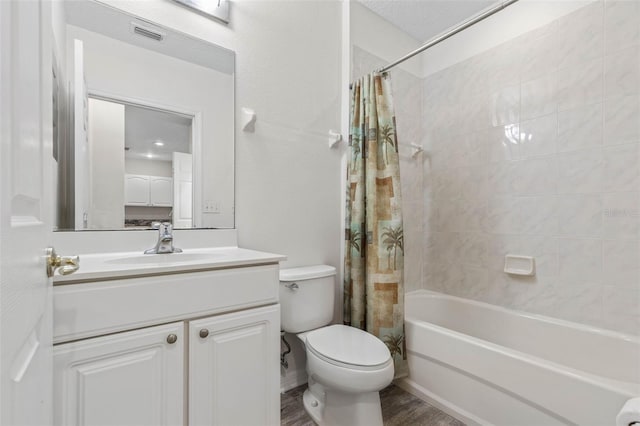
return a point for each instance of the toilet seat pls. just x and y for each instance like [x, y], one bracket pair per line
[348, 347]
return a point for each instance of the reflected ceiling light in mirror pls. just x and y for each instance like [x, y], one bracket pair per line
[158, 143]
[149, 155]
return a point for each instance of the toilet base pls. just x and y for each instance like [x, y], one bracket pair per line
[334, 408]
[352, 409]
[313, 406]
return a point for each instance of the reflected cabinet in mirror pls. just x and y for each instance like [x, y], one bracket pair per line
[143, 123]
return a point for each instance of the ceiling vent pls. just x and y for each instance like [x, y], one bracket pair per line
[146, 32]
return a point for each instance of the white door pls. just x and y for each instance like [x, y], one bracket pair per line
[161, 191]
[130, 378]
[234, 369]
[182, 190]
[26, 212]
[106, 145]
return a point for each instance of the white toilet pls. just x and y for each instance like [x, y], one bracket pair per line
[347, 367]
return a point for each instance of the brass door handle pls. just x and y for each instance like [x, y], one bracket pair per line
[64, 264]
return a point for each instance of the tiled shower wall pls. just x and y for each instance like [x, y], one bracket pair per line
[534, 149]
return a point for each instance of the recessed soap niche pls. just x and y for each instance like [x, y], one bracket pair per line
[520, 265]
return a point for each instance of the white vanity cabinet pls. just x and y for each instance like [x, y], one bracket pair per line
[231, 369]
[129, 378]
[192, 348]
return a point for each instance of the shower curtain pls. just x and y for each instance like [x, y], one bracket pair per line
[374, 250]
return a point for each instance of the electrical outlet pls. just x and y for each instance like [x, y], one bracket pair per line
[211, 206]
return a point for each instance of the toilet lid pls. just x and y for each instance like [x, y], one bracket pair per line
[348, 345]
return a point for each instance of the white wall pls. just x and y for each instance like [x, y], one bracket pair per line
[288, 69]
[372, 33]
[119, 69]
[59, 31]
[288, 181]
[106, 145]
[139, 166]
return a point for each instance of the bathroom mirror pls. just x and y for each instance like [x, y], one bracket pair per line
[143, 123]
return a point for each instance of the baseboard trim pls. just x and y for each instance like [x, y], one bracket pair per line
[430, 398]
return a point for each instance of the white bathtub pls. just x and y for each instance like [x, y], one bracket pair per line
[489, 365]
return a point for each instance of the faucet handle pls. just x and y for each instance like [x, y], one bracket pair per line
[167, 227]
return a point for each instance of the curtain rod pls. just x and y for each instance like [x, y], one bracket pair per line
[495, 9]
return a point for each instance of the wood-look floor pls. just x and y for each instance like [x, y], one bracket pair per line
[399, 408]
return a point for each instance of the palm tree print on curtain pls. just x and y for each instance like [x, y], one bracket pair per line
[374, 255]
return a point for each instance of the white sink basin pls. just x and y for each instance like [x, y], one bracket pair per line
[163, 259]
[100, 266]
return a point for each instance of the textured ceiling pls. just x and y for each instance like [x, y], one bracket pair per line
[424, 19]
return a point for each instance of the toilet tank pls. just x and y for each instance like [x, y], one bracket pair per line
[307, 296]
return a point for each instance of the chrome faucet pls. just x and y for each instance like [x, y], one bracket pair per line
[165, 240]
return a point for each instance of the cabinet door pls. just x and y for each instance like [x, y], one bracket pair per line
[161, 191]
[129, 378]
[136, 190]
[234, 370]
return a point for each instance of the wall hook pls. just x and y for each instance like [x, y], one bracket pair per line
[415, 150]
[334, 138]
[248, 120]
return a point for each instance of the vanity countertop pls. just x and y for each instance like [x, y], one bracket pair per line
[105, 266]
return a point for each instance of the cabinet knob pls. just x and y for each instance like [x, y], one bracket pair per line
[204, 333]
[172, 338]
